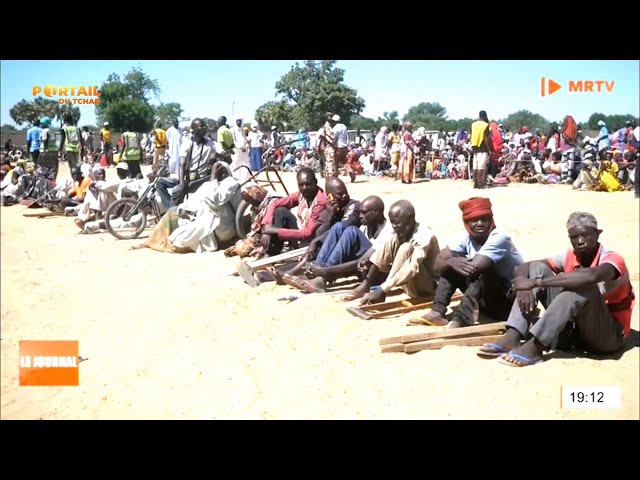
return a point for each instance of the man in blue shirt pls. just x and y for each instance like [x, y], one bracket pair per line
[481, 264]
[33, 140]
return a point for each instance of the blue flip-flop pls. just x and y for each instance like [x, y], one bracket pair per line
[527, 361]
[497, 350]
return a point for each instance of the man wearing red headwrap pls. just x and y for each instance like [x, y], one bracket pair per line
[481, 264]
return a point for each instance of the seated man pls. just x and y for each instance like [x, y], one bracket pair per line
[76, 196]
[480, 264]
[101, 195]
[340, 209]
[202, 223]
[408, 256]
[197, 156]
[587, 296]
[280, 225]
[96, 201]
[347, 248]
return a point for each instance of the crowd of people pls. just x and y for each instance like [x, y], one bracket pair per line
[585, 290]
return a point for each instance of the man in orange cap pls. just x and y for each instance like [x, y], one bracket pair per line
[481, 264]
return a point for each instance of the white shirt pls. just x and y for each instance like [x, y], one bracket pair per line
[340, 132]
[254, 138]
[380, 236]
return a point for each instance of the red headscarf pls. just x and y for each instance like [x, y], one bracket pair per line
[476, 207]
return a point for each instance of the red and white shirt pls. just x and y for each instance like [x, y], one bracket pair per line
[618, 293]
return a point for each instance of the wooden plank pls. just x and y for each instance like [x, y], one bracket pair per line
[400, 307]
[359, 312]
[443, 342]
[456, 332]
[384, 306]
[397, 348]
[265, 262]
[401, 310]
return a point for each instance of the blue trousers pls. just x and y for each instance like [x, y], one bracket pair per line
[163, 185]
[343, 244]
[256, 158]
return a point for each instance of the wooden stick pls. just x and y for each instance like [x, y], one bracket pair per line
[456, 332]
[42, 214]
[439, 343]
[264, 262]
[397, 348]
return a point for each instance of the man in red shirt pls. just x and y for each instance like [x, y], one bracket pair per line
[587, 296]
[280, 224]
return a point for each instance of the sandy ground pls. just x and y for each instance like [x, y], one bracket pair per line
[176, 337]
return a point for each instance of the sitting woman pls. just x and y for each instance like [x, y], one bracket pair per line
[203, 221]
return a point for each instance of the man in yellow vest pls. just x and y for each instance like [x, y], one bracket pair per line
[71, 144]
[482, 149]
[131, 151]
[105, 136]
[160, 142]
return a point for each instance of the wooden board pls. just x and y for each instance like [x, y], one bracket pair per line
[400, 307]
[443, 342]
[456, 332]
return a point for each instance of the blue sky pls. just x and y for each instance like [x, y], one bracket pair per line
[209, 88]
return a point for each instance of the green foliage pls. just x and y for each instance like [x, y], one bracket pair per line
[307, 92]
[166, 113]
[278, 113]
[28, 112]
[68, 108]
[614, 122]
[362, 123]
[127, 100]
[523, 118]
[7, 129]
[428, 115]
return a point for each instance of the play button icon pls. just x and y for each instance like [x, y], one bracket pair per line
[548, 85]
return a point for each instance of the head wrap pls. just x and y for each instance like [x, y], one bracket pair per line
[582, 219]
[475, 207]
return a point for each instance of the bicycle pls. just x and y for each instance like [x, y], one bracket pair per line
[119, 217]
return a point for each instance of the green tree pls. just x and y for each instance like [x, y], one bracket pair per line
[127, 100]
[275, 113]
[306, 93]
[592, 123]
[388, 119]
[363, 123]
[28, 112]
[8, 129]
[523, 118]
[615, 122]
[166, 113]
[62, 110]
[428, 115]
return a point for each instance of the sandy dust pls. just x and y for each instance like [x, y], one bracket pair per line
[176, 337]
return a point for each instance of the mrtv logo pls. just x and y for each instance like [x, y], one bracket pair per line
[549, 87]
[69, 94]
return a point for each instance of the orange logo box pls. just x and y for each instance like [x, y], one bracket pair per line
[49, 363]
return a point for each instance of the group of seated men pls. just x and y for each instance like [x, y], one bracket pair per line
[586, 290]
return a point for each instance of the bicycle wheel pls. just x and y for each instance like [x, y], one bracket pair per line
[244, 218]
[122, 221]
